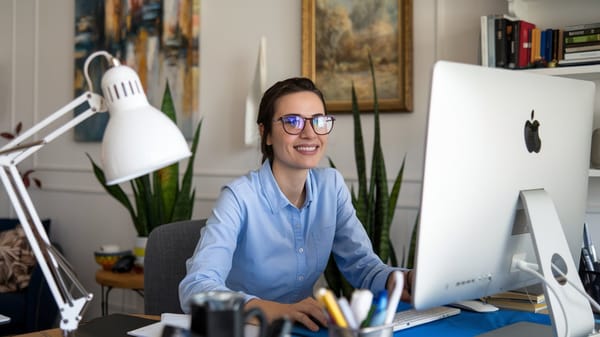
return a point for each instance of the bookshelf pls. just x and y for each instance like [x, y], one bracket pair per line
[587, 72]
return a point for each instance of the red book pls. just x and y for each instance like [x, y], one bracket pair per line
[524, 43]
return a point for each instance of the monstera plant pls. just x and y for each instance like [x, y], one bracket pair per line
[158, 197]
[375, 204]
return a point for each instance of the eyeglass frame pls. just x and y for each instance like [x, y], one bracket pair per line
[304, 119]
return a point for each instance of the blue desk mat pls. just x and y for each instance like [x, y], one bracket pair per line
[466, 323]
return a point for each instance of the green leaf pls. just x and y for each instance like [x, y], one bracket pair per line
[116, 192]
[185, 199]
[375, 205]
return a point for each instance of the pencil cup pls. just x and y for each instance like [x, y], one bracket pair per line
[376, 331]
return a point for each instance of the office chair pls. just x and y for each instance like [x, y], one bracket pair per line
[167, 249]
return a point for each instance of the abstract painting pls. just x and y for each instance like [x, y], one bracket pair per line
[159, 39]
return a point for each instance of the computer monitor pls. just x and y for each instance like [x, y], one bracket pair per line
[482, 151]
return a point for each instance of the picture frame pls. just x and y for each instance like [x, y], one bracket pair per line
[337, 38]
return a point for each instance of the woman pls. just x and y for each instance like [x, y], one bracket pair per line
[272, 231]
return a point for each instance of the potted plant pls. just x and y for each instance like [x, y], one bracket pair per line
[375, 204]
[158, 197]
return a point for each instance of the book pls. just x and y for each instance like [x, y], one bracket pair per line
[488, 43]
[582, 55]
[523, 42]
[534, 294]
[582, 38]
[589, 46]
[582, 26]
[584, 31]
[519, 305]
[535, 45]
[580, 62]
[501, 25]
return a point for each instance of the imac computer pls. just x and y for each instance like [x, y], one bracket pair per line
[505, 189]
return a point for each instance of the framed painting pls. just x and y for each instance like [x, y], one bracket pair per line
[159, 39]
[338, 36]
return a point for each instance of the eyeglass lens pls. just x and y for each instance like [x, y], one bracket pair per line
[294, 124]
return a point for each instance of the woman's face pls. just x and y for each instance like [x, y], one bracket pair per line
[304, 150]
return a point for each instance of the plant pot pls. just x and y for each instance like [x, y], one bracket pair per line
[139, 251]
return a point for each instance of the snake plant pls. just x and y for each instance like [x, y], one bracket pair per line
[375, 204]
[158, 197]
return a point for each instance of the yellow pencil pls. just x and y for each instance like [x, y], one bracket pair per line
[326, 297]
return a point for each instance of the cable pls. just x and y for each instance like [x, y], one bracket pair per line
[532, 269]
[581, 291]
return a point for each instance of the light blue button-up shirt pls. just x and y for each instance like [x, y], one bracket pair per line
[258, 243]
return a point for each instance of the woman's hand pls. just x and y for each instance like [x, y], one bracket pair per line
[408, 282]
[307, 312]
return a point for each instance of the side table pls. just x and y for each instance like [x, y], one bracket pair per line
[108, 280]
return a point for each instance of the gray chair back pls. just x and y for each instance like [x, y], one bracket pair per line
[167, 249]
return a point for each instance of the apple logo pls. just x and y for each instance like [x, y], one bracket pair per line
[532, 136]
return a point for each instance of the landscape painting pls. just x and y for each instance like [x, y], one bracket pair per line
[337, 38]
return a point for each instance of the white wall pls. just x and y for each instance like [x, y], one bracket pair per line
[36, 75]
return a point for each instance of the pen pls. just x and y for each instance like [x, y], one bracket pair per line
[394, 297]
[360, 304]
[378, 310]
[347, 312]
[326, 297]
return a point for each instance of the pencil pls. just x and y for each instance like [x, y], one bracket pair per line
[326, 297]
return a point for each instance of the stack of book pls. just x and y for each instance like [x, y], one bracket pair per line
[581, 44]
[530, 299]
[507, 42]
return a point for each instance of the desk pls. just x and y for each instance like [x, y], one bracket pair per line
[109, 280]
[464, 324]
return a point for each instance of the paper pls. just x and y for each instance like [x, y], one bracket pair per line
[179, 321]
[155, 329]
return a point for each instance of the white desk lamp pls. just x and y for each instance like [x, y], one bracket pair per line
[138, 140]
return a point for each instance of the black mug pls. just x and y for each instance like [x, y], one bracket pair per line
[221, 314]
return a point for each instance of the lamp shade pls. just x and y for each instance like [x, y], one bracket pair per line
[138, 139]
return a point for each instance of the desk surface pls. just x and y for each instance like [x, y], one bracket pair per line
[464, 324]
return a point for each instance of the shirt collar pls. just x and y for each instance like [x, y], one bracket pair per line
[271, 191]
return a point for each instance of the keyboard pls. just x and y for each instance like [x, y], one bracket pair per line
[412, 317]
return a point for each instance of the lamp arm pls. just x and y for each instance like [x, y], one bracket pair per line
[16, 150]
[57, 271]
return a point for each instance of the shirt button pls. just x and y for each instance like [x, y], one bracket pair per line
[301, 250]
[300, 278]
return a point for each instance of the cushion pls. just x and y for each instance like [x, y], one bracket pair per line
[16, 257]
[16, 260]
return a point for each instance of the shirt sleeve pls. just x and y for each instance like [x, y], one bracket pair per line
[352, 248]
[209, 266]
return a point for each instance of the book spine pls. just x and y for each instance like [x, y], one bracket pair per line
[512, 49]
[491, 41]
[535, 44]
[579, 32]
[483, 40]
[582, 38]
[579, 48]
[582, 55]
[524, 43]
[555, 45]
[501, 43]
[548, 49]
[582, 26]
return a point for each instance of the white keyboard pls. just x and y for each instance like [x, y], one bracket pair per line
[410, 318]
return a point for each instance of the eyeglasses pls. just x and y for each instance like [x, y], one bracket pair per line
[294, 124]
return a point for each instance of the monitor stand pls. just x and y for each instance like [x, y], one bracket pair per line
[565, 304]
